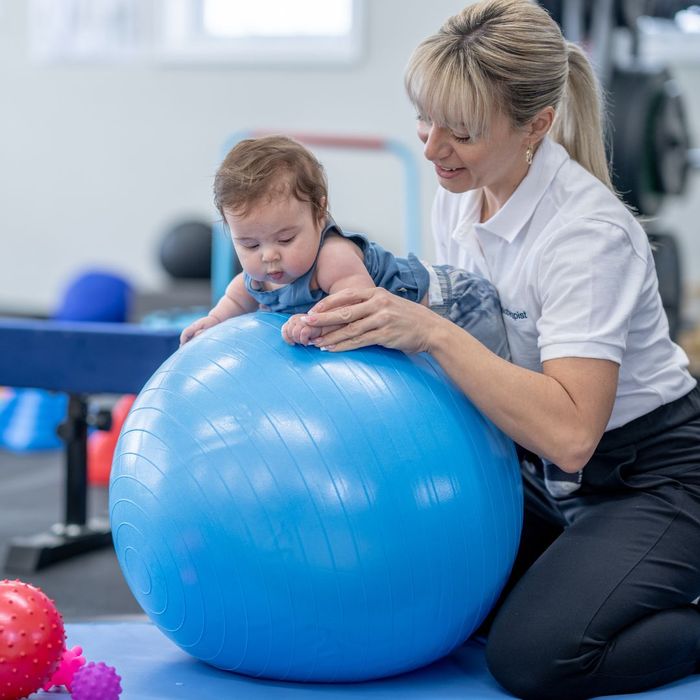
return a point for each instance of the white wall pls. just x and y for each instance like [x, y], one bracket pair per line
[96, 161]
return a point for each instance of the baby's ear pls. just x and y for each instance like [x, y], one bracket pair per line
[322, 211]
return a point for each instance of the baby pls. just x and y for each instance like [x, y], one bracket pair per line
[272, 193]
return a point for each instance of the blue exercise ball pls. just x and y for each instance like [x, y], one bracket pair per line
[300, 515]
[95, 295]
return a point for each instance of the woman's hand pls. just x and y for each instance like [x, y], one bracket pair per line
[356, 318]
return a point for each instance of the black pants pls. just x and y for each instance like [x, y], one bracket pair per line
[606, 607]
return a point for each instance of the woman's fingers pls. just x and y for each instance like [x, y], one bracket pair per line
[348, 306]
[338, 317]
[343, 307]
[346, 297]
[354, 343]
[353, 333]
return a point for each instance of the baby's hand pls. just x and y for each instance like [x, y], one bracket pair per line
[295, 331]
[197, 327]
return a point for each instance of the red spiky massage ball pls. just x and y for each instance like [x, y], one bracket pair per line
[32, 639]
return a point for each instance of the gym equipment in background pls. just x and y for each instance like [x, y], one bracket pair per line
[650, 137]
[288, 513]
[101, 443]
[95, 295]
[77, 359]
[31, 419]
[185, 250]
[649, 140]
[667, 258]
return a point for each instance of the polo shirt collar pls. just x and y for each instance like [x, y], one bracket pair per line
[510, 219]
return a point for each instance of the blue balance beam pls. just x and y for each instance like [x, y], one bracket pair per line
[78, 359]
[81, 358]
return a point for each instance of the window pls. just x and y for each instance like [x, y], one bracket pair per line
[199, 31]
[88, 30]
[277, 18]
[263, 31]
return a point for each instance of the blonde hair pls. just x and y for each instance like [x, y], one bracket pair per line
[261, 168]
[509, 57]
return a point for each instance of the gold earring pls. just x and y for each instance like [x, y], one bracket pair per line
[528, 154]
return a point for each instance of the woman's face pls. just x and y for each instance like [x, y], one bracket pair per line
[466, 161]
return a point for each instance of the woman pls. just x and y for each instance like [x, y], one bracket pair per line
[597, 396]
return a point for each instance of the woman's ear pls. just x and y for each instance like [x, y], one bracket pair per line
[541, 124]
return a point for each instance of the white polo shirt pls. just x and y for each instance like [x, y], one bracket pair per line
[576, 278]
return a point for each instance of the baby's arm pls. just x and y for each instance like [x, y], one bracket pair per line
[236, 301]
[340, 266]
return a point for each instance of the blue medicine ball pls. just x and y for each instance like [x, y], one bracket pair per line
[292, 514]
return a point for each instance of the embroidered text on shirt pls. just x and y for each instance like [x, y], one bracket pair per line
[517, 315]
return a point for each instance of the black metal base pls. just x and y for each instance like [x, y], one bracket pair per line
[30, 554]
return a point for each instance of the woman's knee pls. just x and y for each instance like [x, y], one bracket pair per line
[506, 659]
[532, 663]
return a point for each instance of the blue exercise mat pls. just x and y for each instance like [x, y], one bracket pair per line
[152, 668]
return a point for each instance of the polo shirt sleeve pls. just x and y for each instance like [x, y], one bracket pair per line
[590, 279]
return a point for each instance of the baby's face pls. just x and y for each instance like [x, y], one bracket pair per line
[276, 241]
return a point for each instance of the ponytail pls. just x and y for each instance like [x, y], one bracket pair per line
[578, 125]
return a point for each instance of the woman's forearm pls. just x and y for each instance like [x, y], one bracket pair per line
[536, 410]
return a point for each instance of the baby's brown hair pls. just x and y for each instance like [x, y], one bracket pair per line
[266, 167]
